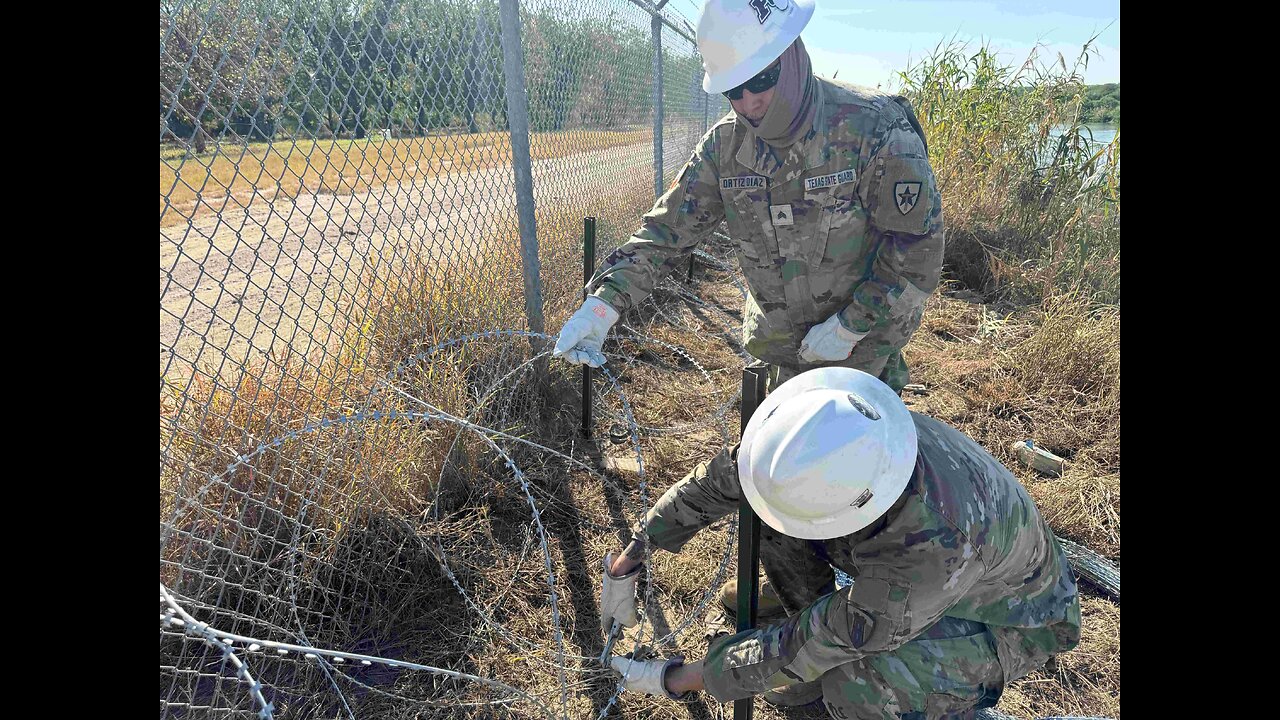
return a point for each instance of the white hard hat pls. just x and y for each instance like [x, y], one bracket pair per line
[827, 453]
[739, 38]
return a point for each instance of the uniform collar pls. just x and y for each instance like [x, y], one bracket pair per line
[786, 164]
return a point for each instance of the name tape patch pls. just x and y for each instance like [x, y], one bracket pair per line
[823, 181]
[746, 181]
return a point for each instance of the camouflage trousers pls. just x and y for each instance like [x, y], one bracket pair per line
[891, 369]
[946, 673]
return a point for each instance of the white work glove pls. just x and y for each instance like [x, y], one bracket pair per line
[583, 335]
[646, 676]
[829, 341]
[618, 598]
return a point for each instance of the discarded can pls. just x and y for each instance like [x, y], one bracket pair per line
[1037, 458]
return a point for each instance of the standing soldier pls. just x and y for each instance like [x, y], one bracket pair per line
[829, 196]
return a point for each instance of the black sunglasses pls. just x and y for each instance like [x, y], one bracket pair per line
[758, 84]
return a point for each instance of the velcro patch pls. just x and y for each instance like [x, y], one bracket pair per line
[905, 196]
[743, 182]
[823, 181]
[747, 653]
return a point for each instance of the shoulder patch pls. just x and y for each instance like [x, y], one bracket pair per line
[905, 195]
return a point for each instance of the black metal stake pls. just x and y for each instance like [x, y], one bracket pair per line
[748, 534]
[692, 260]
[588, 265]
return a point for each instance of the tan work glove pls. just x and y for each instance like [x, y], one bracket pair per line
[618, 598]
[646, 676]
[830, 341]
[582, 336]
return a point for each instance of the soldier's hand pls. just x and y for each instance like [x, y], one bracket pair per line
[646, 676]
[618, 598]
[582, 336]
[829, 341]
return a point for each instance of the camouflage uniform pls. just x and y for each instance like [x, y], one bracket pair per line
[958, 589]
[848, 219]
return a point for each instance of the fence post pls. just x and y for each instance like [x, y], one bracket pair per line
[588, 268]
[521, 162]
[657, 100]
[753, 381]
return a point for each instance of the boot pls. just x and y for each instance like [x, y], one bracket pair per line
[768, 605]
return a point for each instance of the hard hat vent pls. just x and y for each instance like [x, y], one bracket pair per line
[863, 407]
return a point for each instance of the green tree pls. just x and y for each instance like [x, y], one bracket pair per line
[219, 62]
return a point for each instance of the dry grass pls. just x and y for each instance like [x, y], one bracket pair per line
[1032, 208]
[988, 375]
[366, 512]
[1050, 373]
[242, 177]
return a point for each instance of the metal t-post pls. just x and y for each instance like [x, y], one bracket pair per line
[748, 534]
[588, 266]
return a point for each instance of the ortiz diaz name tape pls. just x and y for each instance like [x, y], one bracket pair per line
[745, 181]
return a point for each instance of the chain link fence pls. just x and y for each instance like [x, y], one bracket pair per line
[367, 219]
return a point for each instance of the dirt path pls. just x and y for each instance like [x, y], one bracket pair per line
[247, 283]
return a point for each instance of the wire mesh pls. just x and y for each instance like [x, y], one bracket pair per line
[342, 435]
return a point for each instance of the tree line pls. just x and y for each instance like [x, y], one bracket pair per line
[254, 69]
[1101, 104]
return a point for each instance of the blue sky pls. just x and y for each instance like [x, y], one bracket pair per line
[868, 40]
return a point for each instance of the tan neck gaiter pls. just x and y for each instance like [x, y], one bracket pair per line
[794, 104]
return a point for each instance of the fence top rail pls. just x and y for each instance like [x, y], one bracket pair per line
[656, 11]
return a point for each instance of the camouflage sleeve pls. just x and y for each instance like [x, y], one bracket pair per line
[687, 213]
[898, 188]
[705, 495]
[907, 581]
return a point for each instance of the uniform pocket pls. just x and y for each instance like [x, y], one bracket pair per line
[847, 230]
[1023, 650]
[839, 250]
[747, 211]
[880, 604]
[906, 313]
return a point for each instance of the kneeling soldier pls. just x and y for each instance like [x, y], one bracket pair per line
[959, 585]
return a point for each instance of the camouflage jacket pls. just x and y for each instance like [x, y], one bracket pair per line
[965, 540]
[848, 220]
